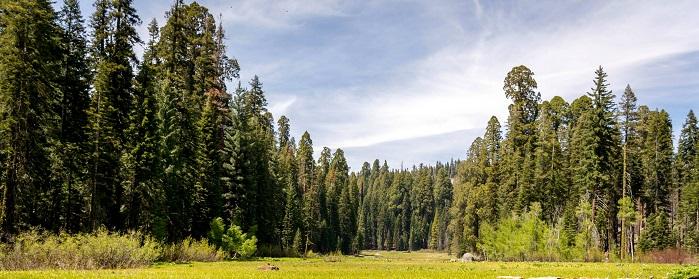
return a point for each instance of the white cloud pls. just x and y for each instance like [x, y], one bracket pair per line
[273, 14]
[460, 85]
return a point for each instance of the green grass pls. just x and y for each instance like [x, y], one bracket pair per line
[372, 264]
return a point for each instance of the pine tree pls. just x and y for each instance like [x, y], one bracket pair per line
[143, 204]
[631, 174]
[74, 85]
[687, 191]
[114, 35]
[517, 186]
[30, 57]
[311, 204]
[656, 157]
[288, 179]
[550, 170]
[604, 192]
[215, 116]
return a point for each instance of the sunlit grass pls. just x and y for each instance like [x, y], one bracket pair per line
[370, 264]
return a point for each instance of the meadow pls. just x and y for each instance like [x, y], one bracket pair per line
[370, 264]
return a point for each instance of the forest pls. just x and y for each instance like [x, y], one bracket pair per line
[174, 145]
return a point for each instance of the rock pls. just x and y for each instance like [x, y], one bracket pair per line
[468, 257]
[268, 267]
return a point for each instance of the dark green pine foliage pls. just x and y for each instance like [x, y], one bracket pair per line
[422, 204]
[310, 211]
[259, 194]
[193, 114]
[517, 187]
[30, 57]
[340, 220]
[214, 118]
[326, 238]
[177, 131]
[688, 188]
[604, 190]
[74, 85]
[550, 172]
[657, 234]
[656, 157]
[143, 196]
[287, 174]
[632, 178]
[232, 187]
[114, 35]
[442, 192]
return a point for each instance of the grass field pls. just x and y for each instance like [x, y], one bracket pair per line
[372, 264]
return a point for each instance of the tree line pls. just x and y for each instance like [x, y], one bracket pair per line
[93, 137]
[593, 176]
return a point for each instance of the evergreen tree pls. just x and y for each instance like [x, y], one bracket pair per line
[631, 174]
[605, 137]
[311, 204]
[30, 57]
[517, 185]
[114, 34]
[143, 202]
[74, 85]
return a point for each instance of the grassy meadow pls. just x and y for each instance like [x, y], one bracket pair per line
[371, 264]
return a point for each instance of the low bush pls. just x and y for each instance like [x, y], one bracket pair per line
[685, 273]
[35, 250]
[190, 250]
[670, 255]
[232, 241]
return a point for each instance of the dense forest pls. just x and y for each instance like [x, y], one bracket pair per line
[92, 136]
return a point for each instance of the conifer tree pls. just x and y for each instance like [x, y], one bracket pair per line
[517, 185]
[114, 35]
[605, 172]
[143, 202]
[311, 204]
[30, 57]
[74, 85]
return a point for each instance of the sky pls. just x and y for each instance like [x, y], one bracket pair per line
[415, 82]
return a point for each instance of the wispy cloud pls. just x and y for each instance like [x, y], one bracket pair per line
[457, 85]
[404, 79]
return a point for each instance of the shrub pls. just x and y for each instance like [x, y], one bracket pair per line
[35, 250]
[233, 241]
[670, 255]
[248, 248]
[191, 250]
[684, 273]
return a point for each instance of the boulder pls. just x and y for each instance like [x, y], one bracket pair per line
[468, 257]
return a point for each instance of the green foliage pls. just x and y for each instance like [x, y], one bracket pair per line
[657, 235]
[519, 238]
[190, 250]
[687, 272]
[232, 241]
[34, 250]
[217, 229]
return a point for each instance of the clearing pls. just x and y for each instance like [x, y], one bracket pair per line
[371, 264]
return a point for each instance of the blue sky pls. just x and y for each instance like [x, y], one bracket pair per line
[416, 81]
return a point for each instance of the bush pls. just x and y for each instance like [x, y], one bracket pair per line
[248, 248]
[233, 242]
[191, 250]
[35, 250]
[670, 255]
[685, 273]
